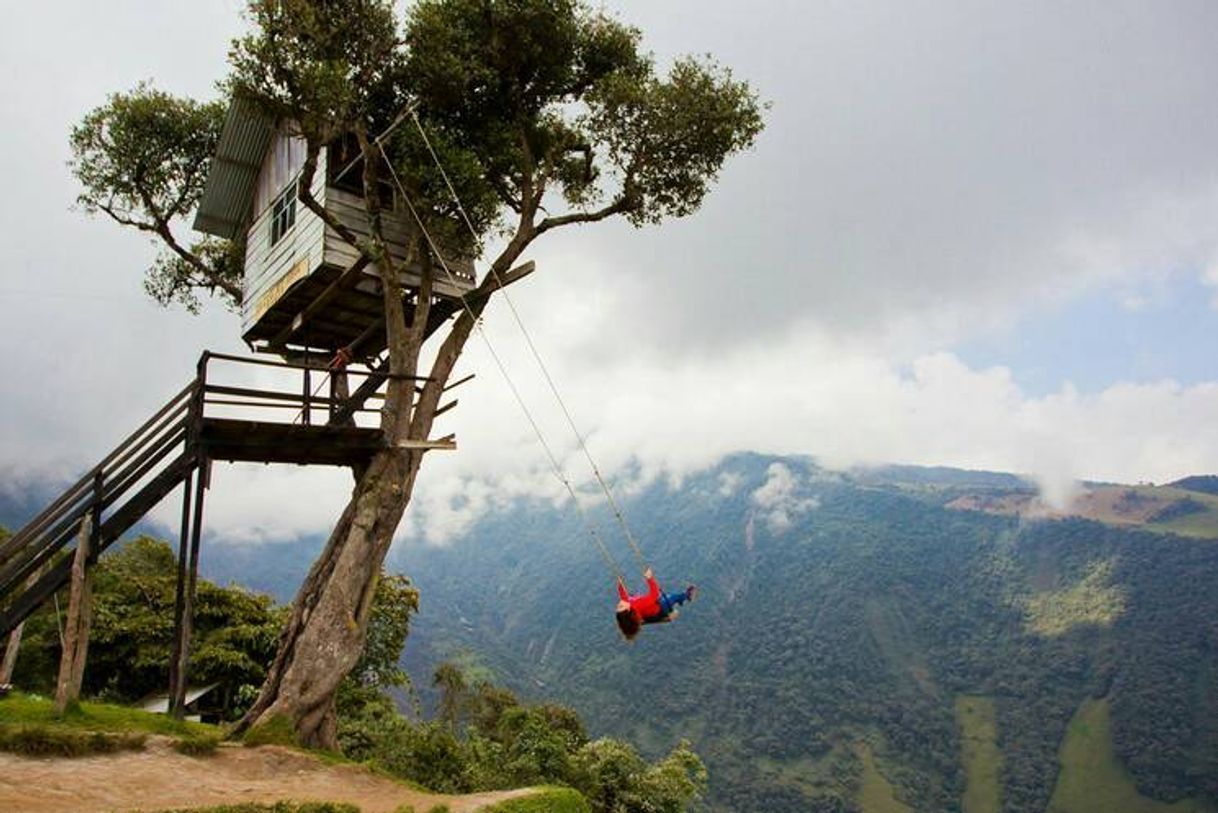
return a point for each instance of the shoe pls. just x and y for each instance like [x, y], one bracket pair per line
[690, 591]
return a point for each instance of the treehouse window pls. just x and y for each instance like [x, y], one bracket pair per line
[283, 213]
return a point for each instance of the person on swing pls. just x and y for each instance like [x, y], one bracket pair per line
[653, 607]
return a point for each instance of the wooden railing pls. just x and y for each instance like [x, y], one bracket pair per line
[116, 492]
[160, 454]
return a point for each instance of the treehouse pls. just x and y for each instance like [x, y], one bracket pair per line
[303, 285]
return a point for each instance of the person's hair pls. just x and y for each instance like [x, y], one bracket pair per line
[628, 623]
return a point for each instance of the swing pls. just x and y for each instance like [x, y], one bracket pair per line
[661, 607]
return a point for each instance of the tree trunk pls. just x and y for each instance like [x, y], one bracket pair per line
[325, 634]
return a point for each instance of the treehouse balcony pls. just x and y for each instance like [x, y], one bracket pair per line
[304, 286]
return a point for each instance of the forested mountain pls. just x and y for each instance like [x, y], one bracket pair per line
[856, 634]
[841, 619]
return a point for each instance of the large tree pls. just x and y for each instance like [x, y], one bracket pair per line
[545, 114]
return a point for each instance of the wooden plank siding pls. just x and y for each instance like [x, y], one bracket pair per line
[349, 209]
[282, 280]
[268, 266]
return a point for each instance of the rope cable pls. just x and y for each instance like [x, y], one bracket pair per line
[556, 467]
[613, 504]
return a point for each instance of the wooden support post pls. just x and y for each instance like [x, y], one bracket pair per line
[340, 391]
[10, 655]
[80, 616]
[187, 580]
[9, 665]
[177, 676]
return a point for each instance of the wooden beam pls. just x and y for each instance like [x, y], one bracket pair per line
[80, 617]
[321, 300]
[456, 384]
[447, 444]
[445, 408]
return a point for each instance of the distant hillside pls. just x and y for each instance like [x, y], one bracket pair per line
[839, 626]
[1163, 509]
[1205, 483]
[940, 476]
[861, 643]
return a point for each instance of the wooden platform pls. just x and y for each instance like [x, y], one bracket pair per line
[264, 442]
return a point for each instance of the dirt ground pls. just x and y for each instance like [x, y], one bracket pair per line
[159, 778]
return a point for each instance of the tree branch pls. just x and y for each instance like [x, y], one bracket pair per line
[624, 203]
[304, 193]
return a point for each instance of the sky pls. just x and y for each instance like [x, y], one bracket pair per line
[976, 234]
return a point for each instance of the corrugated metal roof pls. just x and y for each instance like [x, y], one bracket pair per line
[158, 703]
[229, 192]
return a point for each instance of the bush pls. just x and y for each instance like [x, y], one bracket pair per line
[38, 740]
[551, 800]
[428, 754]
[276, 807]
[199, 745]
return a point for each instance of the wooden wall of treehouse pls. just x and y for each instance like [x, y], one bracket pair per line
[282, 250]
[349, 208]
[273, 266]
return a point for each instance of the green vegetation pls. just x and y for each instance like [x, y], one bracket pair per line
[31, 710]
[1092, 600]
[861, 619]
[982, 759]
[488, 740]
[1193, 514]
[1092, 780]
[278, 730]
[876, 792]
[274, 807]
[134, 589]
[58, 741]
[549, 800]
[198, 745]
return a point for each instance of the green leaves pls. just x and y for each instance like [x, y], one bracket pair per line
[616, 779]
[142, 160]
[328, 66]
[393, 604]
[144, 155]
[668, 138]
[553, 95]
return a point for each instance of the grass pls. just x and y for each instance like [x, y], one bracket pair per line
[875, 792]
[31, 710]
[1201, 525]
[1093, 780]
[41, 740]
[1092, 600]
[274, 807]
[276, 731]
[981, 757]
[549, 800]
[30, 726]
[197, 745]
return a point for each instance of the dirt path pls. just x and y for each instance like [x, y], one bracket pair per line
[159, 778]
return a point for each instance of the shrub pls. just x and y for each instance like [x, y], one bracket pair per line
[40, 740]
[276, 807]
[199, 745]
[551, 800]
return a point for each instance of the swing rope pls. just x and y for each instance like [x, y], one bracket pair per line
[613, 504]
[555, 466]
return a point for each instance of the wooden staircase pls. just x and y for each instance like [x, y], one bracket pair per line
[207, 420]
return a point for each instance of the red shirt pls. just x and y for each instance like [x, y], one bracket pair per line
[644, 606]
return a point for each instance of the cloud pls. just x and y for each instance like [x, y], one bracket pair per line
[779, 500]
[928, 171]
[926, 176]
[1210, 278]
